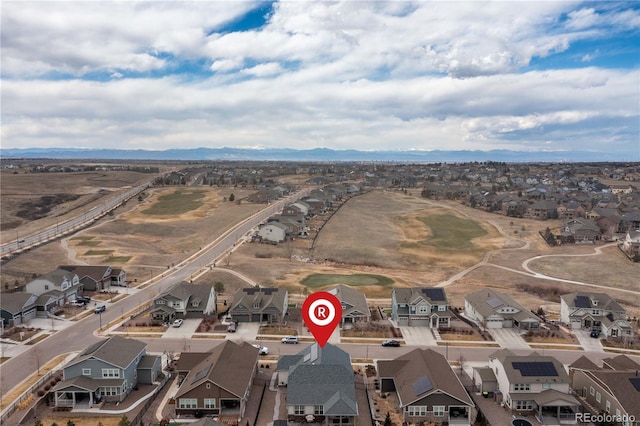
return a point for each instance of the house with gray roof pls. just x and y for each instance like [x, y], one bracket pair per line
[492, 309]
[354, 304]
[427, 388]
[614, 391]
[534, 384]
[420, 307]
[264, 305]
[184, 300]
[218, 382]
[274, 232]
[17, 308]
[320, 385]
[594, 311]
[97, 278]
[106, 371]
[61, 284]
[580, 230]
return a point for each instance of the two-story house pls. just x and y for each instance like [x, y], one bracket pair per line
[580, 230]
[631, 243]
[420, 307]
[217, 382]
[274, 232]
[491, 309]
[106, 371]
[354, 304]
[427, 388]
[264, 305]
[613, 389]
[92, 278]
[61, 284]
[534, 384]
[594, 311]
[17, 308]
[320, 385]
[184, 300]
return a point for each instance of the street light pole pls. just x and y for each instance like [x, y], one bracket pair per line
[100, 313]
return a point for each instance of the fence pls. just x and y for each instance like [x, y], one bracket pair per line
[25, 395]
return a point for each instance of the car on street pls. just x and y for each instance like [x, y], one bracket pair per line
[262, 350]
[290, 339]
[391, 343]
[100, 309]
[178, 322]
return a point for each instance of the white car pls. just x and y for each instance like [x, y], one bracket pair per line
[262, 350]
[178, 322]
[290, 339]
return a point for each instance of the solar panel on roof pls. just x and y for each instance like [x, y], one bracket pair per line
[494, 302]
[268, 291]
[582, 302]
[635, 381]
[535, 369]
[422, 385]
[434, 293]
[250, 291]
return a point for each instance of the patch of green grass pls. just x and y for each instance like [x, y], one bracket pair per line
[178, 202]
[98, 252]
[118, 259]
[90, 243]
[451, 232]
[355, 280]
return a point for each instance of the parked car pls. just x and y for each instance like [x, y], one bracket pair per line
[262, 350]
[290, 339]
[78, 303]
[178, 322]
[595, 334]
[232, 327]
[392, 343]
[83, 299]
[100, 308]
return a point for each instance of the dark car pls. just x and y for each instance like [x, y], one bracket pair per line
[83, 299]
[392, 343]
[595, 334]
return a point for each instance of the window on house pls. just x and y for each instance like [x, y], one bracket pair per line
[522, 387]
[46, 286]
[546, 385]
[188, 403]
[592, 391]
[438, 410]
[598, 397]
[86, 372]
[607, 406]
[298, 409]
[442, 307]
[524, 405]
[208, 385]
[160, 302]
[318, 410]
[108, 373]
[417, 410]
[256, 306]
[209, 403]
[423, 309]
[109, 391]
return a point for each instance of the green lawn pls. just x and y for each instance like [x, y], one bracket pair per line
[321, 280]
[98, 252]
[451, 232]
[178, 202]
[118, 259]
[89, 243]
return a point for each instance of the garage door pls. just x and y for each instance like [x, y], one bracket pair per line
[419, 322]
[575, 325]
[494, 323]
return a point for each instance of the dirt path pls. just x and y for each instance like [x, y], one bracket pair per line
[71, 253]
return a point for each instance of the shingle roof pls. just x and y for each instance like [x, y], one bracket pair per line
[540, 368]
[407, 370]
[229, 365]
[621, 387]
[96, 273]
[350, 296]
[620, 363]
[115, 350]
[583, 363]
[488, 301]
[15, 302]
[266, 297]
[578, 299]
[411, 295]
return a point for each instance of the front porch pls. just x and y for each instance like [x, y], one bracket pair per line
[459, 415]
[554, 407]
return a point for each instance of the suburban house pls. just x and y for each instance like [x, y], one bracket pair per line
[106, 371]
[428, 390]
[218, 382]
[420, 307]
[17, 308]
[542, 209]
[534, 384]
[61, 284]
[97, 278]
[605, 390]
[491, 309]
[579, 230]
[631, 243]
[594, 311]
[184, 300]
[264, 305]
[320, 385]
[354, 304]
[274, 232]
[570, 210]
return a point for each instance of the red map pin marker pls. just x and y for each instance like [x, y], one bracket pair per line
[322, 312]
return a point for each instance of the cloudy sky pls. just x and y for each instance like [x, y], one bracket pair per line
[399, 75]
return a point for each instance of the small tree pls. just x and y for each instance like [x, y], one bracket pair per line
[232, 197]
[219, 287]
[124, 421]
[70, 423]
[387, 420]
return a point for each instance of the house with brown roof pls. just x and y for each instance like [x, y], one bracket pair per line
[534, 384]
[420, 307]
[492, 309]
[184, 300]
[427, 388]
[613, 389]
[594, 311]
[354, 304]
[580, 230]
[106, 371]
[97, 278]
[264, 305]
[218, 382]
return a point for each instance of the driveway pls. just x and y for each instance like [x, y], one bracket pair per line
[187, 329]
[418, 336]
[588, 343]
[508, 338]
[245, 331]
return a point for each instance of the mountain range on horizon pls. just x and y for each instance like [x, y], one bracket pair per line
[315, 154]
